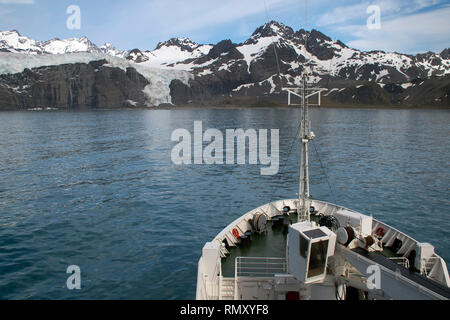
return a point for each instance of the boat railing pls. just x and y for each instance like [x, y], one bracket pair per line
[428, 264]
[261, 267]
[246, 268]
[404, 262]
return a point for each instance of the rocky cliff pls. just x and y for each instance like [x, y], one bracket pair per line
[72, 86]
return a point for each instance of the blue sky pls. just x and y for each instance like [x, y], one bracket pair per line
[408, 26]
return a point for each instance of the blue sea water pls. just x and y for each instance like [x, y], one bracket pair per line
[99, 190]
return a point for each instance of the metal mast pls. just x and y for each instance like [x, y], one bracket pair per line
[306, 136]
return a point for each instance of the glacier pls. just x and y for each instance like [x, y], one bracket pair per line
[157, 92]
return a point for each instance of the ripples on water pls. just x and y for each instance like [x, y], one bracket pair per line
[98, 190]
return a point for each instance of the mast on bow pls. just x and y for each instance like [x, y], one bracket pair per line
[305, 92]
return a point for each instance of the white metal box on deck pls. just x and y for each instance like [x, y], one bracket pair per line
[358, 221]
[309, 247]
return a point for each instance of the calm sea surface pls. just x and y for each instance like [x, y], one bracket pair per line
[99, 190]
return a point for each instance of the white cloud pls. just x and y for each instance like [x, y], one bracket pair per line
[389, 9]
[411, 34]
[342, 14]
[16, 1]
[4, 11]
[230, 10]
[202, 20]
[177, 16]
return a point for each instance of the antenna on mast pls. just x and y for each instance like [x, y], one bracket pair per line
[306, 135]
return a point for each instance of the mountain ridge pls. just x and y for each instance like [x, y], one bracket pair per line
[266, 30]
[254, 68]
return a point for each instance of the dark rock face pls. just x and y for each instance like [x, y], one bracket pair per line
[271, 59]
[445, 54]
[430, 92]
[225, 70]
[433, 91]
[415, 73]
[273, 29]
[220, 50]
[180, 93]
[72, 86]
[369, 94]
[394, 88]
[316, 44]
[183, 44]
[136, 56]
[223, 81]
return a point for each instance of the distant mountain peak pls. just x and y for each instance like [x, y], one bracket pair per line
[185, 44]
[224, 47]
[10, 32]
[314, 34]
[445, 54]
[109, 49]
[136, 56]
[319, 35]
[107, 45]
[271, 29]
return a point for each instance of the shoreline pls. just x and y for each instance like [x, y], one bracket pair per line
[238, 102]
[368, 107]
[219, 106]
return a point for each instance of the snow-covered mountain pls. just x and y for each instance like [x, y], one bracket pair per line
[12, 41]
[295, 50]
[256, 68]
[166, 53]
[323, 56]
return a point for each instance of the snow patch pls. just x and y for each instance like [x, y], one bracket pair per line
[406, 85]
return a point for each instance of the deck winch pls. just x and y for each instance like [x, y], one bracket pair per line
[345, 235]
[259, 222]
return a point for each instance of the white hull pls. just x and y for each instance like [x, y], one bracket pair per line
[345, 270]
